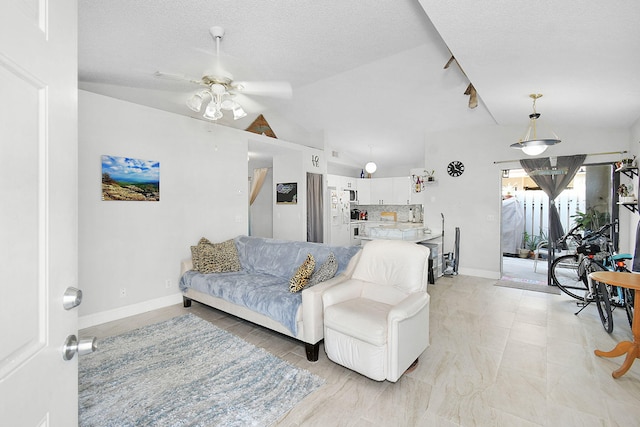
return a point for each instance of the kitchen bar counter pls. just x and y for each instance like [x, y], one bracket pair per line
[415, 234]
[415, 239]
[430, 238]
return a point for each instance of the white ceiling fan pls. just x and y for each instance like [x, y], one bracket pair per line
[222, 92]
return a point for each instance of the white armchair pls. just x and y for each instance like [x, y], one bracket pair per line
[377, 322]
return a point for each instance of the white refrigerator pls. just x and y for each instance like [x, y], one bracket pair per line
[340, 212]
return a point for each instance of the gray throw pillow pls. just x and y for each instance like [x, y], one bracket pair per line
[326, 271]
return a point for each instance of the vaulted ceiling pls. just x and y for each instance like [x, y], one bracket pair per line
[368, 76]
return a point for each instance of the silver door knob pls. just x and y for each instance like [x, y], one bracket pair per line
[72, 346]
[72, 298]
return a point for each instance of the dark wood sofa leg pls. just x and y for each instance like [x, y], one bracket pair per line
[186, 302]
[312, 351]
[413, 366]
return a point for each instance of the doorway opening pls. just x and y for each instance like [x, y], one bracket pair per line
[525, 217]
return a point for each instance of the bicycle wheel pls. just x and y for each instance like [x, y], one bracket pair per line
[629, 294]
[566, 276]
[627, 297]
[604, 306]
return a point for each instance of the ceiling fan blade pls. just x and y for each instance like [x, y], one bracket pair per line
[274, 89]
[176, 77]
[248, 104]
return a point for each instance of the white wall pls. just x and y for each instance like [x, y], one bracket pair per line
[472, 201]
[290, 221]
[139, 245]
[634, 150]
[261, 210]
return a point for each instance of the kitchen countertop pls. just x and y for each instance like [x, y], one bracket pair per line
[407, 231]
[386, 223]
[417, 239]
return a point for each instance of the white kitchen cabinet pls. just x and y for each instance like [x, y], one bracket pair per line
[387, 191]
[349, 183]
[333, 181]
[364, 191]
[342, 182]
[401, 190]
[381, 191]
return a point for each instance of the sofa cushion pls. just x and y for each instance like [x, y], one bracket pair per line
[359, 317]
[300, 279]
[326, 271]
[283, 257]
[215, 257]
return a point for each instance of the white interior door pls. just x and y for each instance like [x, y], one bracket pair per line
[38, 212]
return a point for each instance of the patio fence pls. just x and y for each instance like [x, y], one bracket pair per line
[536, 209]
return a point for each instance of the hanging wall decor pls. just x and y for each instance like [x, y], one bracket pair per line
[287, 193]
[128, 179]
[419, 177]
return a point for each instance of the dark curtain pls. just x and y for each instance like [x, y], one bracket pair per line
[553, 183]
[636, 253]
[315, 205]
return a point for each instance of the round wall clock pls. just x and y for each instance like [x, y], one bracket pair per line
[455, 168]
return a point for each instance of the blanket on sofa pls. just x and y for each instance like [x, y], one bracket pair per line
[262, 284]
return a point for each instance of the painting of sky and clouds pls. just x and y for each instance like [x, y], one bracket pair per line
[124, 178]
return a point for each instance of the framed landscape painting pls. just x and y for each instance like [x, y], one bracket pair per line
[124, 178]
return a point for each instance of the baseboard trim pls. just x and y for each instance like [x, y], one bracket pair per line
[129, 310]
[486, 274]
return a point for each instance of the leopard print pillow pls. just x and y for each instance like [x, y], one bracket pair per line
[215, 257]
[195, 253]
[301, 277]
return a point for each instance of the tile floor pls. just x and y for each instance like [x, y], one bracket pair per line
[523, 268]
[498, 357]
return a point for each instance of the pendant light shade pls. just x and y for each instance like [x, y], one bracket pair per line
[370, 167]
[531, 144]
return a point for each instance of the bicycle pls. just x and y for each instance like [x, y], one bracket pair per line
[571, 274]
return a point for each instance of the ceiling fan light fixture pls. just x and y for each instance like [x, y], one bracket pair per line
[195, 102]
[238, 112]
[530, 144]
[212, 112]
[228, 104]
[219, 89]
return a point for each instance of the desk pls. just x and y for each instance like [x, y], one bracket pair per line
[631, 281]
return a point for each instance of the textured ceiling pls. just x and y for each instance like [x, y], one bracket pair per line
[368, 76]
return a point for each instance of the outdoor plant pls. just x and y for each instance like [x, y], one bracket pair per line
[591, 220]
[623, 191]
[531, 241]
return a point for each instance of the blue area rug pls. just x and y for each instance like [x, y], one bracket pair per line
[186, 372]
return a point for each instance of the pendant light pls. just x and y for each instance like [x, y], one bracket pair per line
[531, 144]
[370, 167]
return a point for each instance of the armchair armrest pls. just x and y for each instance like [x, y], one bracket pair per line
[312, 311]
[409, 318]
[408, 307]
[347, 290]
[312, 305]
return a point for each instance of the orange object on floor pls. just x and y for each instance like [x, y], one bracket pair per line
[632, 349]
